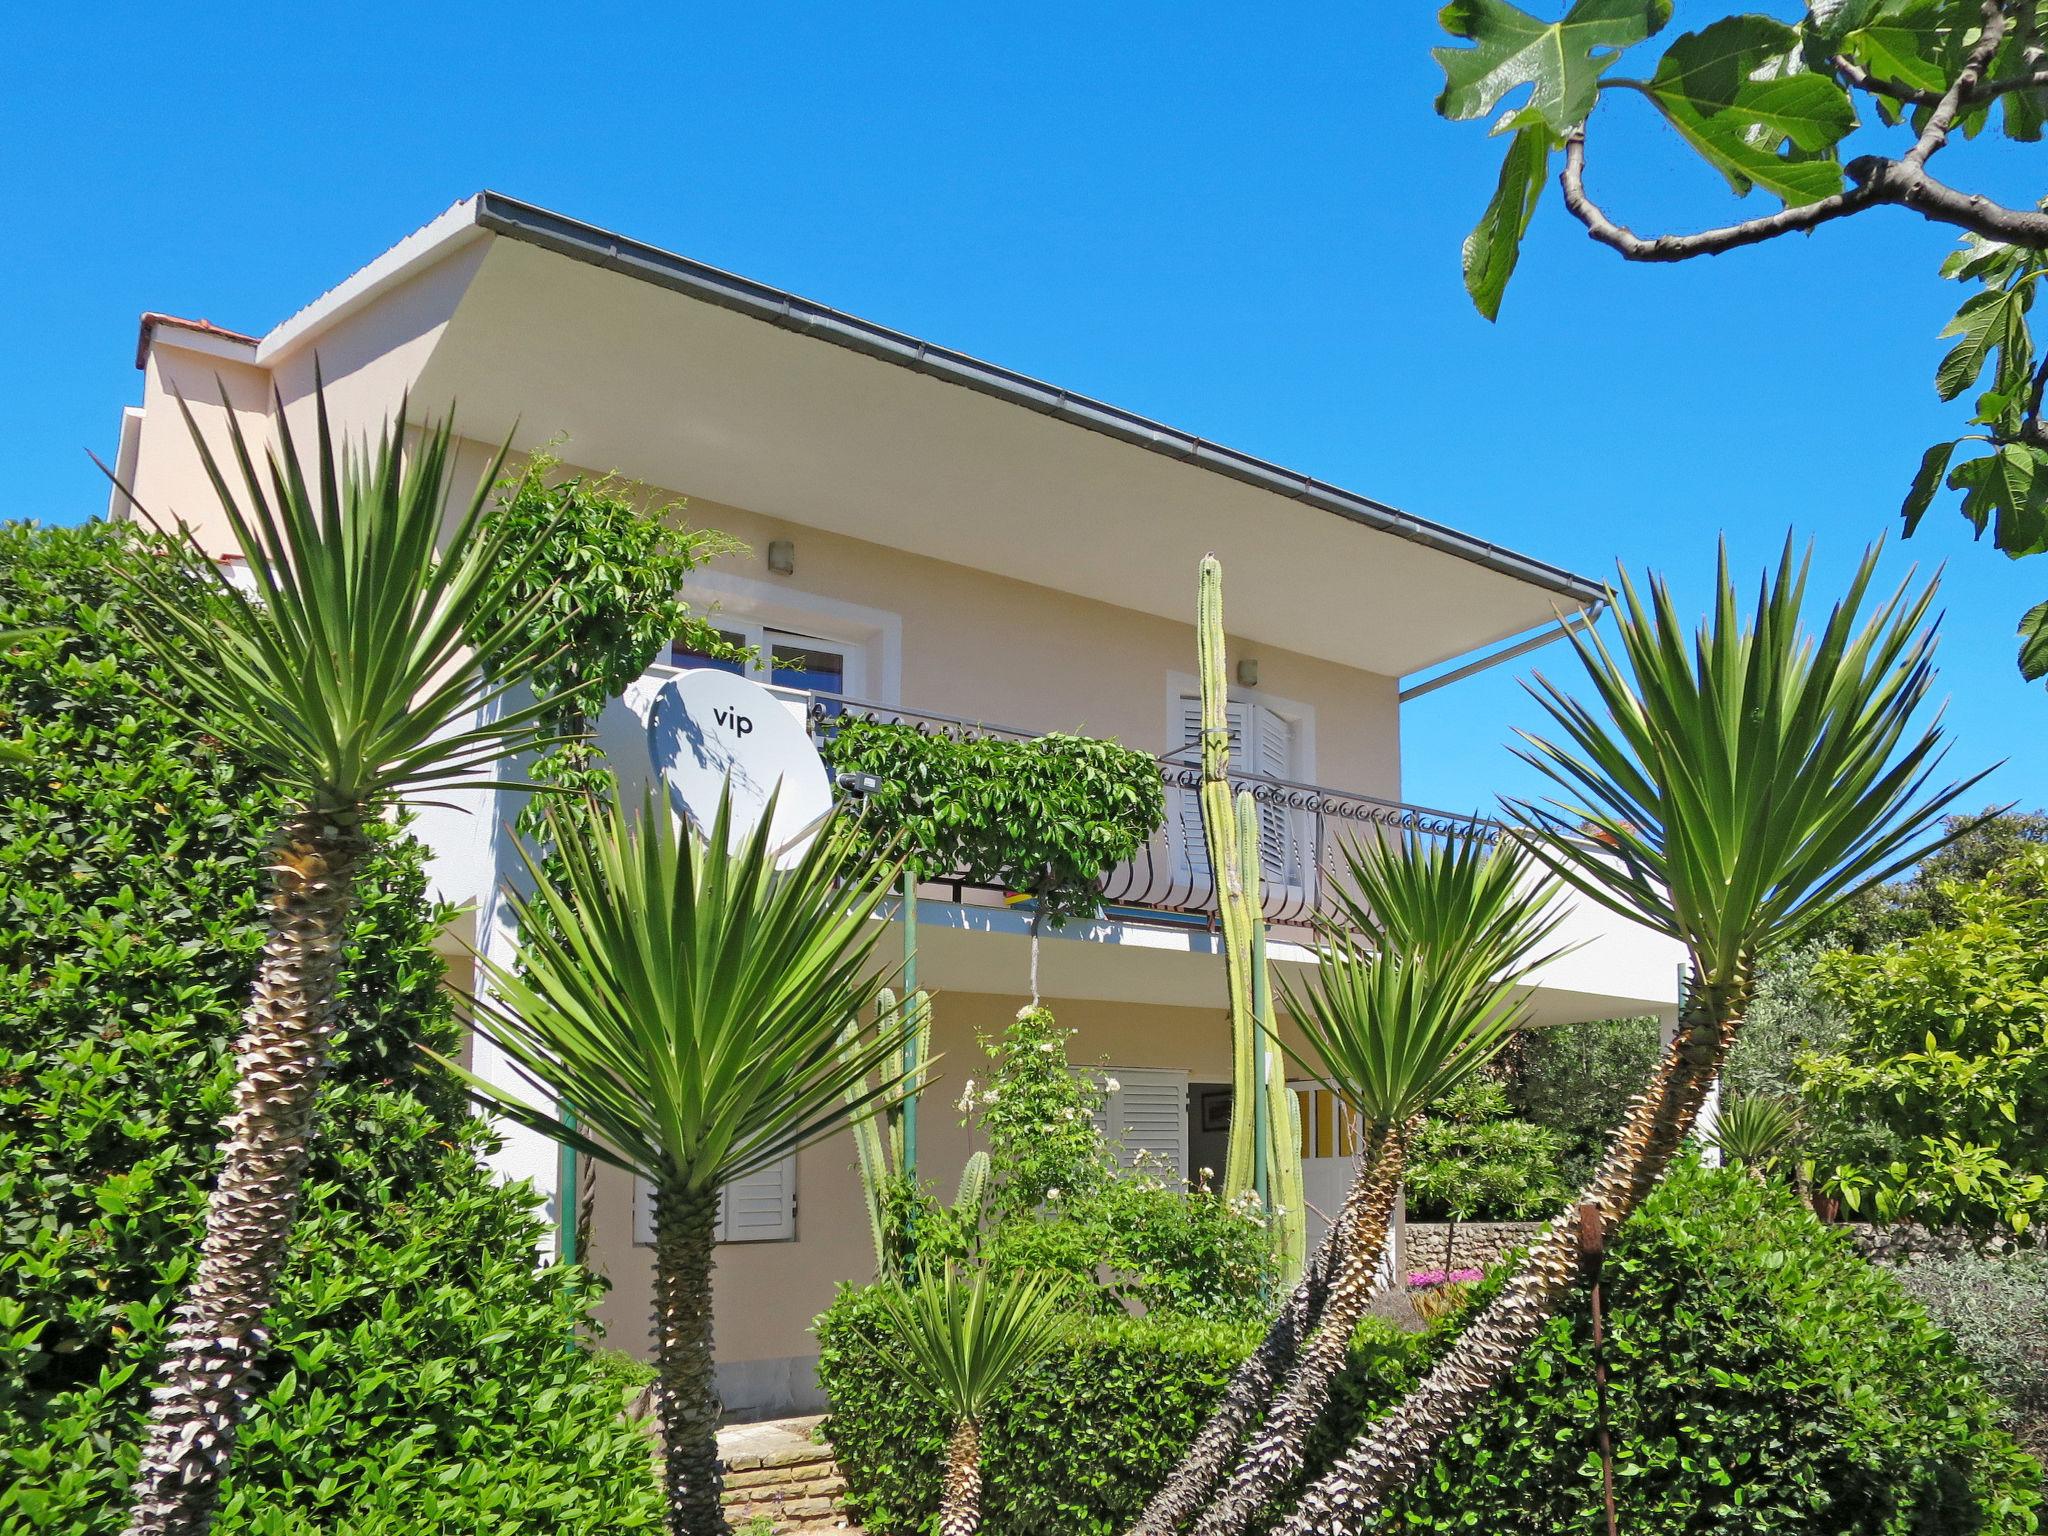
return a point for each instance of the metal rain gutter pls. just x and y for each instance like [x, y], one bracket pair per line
[665, 269]
[1549, 634]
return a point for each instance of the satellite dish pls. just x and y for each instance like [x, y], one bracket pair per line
[708, 729]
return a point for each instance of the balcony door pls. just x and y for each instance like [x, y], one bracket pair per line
[1264, 742]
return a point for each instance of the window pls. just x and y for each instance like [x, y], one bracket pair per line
[1148, 1113]
[784, 658]
[759, 1207]
[1265, 742]
[802, 661]
[681, 655]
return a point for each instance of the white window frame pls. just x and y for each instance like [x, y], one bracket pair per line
[1301, 721]
[871, 637]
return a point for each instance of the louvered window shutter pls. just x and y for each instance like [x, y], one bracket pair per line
[1148, 1113]
[1273, 739]
[1194, 846]
[759, 1207]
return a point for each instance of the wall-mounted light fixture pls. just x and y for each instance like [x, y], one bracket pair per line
[782, 557]
[1248, 671]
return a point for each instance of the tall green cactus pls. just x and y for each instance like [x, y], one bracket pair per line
[1219, 832]
[1230, 831]
[885, 1138]
[1277, 1131]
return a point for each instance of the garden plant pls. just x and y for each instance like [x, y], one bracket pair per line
[1676, 813]
[958, 1342]
[366, 664]
[689, 999]
[1414, 991]
[423, 1373]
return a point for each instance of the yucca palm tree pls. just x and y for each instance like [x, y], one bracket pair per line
[1755, 1132]
[958, 1343]
[687, 999]
[1415, 990]
[1728, 793]
[355, 676]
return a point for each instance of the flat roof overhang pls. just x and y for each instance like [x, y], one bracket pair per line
[719, 388]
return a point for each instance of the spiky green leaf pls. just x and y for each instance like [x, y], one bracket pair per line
[1734, 790]
[1416, 982]
[958, 1343]
[688, 999]
[360, 666]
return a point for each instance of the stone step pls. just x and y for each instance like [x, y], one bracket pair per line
[777, 1472]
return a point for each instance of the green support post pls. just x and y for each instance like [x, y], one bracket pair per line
[910, 999]
[566, 1195]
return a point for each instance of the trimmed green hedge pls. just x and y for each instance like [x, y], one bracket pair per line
[1766, 1380]
[1076, 1447]
[424, 1380]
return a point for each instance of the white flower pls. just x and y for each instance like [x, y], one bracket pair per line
[1111, 1085]
[1208, 1173]
[988, 1096]
[1052, 1194]
[1048, 1045]
[967, 1096]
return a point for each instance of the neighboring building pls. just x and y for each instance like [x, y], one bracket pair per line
[962, 543]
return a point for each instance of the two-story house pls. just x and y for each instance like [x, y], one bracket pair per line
[931, 537]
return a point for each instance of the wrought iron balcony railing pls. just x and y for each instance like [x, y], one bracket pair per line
[1305, 827]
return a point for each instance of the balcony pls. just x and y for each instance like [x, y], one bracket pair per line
[1305, 828]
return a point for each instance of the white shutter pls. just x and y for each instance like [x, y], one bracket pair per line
[1261, 742]
[1148, 1113]
[1273, 745]
[759, 1207]
[1193, 844]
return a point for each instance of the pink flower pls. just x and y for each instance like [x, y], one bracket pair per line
[1425, 1279]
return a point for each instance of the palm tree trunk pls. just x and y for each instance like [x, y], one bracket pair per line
[1393, 1451]
[960, 1503]
[1274, 1456]
[1214, 1448]
[684, 1225]
[217, 1337]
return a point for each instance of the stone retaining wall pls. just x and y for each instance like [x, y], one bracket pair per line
[1477, 1245]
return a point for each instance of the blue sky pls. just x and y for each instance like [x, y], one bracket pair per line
[1244, 221]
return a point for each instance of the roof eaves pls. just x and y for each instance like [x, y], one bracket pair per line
[153, 319]
[584, 242]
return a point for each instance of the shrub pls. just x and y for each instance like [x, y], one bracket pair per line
[1075, 1446]
[1059, 1200]
[1473, 1160]
[1039, 1116]
[423, 1378]
[1996, 1308]
[1946, 1047]
[1046, 816]
[1134, 1243]
[1764, 1380]
[1578, 1079]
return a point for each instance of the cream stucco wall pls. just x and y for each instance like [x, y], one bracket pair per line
[765, 1294]
[973, 644]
